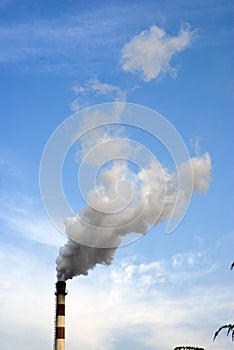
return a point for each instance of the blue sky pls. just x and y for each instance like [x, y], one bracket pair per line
[163, 290]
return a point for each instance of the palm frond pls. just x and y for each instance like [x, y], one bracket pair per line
[188, 348]
[230, 328]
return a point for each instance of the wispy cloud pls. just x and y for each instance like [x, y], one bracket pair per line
[86, 36]
[150, 53]
[70, 41]
[131, 306]
[94, 87]
[179, 268]
[187, 259]
[23, 275]
[196, 144]
[156, 318]
[23, 216]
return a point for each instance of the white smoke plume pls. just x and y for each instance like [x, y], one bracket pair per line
[125, 202]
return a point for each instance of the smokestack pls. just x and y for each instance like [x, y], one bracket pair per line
[59, 343]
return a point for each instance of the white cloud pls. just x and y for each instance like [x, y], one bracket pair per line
[196, 145]
[127, 310]
[95, 87]
[150, 52]
[76, 105]
[107, 89]
[187, 259]
[27, 298]
[112, 308]
[180, 268]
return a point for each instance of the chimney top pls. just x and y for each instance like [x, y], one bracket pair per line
[61, 288]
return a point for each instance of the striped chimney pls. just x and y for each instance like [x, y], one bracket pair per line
[60, 315]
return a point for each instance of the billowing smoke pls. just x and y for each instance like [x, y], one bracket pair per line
[125, 201]
[77, 259]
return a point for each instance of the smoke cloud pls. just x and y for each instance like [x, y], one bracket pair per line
[123, 202]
